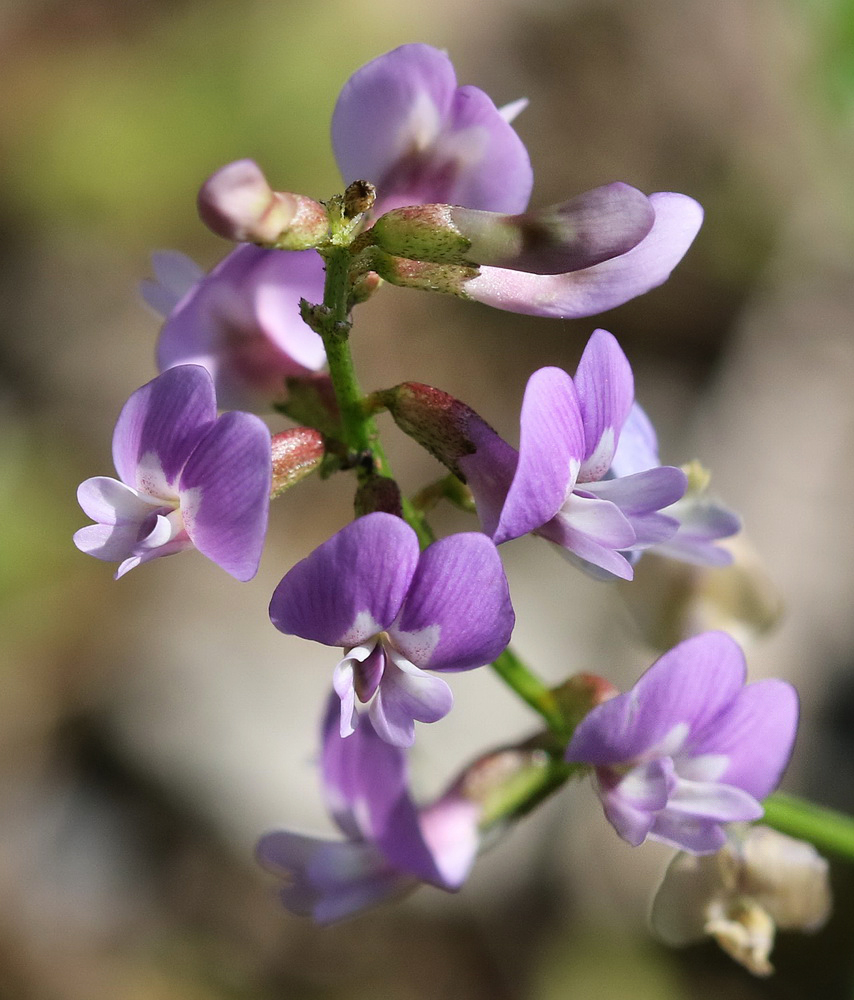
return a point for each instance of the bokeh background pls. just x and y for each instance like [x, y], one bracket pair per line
[150, 729]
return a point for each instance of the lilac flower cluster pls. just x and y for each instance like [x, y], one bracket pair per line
[438, 183]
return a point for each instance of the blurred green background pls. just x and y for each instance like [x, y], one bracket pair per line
[150, 729]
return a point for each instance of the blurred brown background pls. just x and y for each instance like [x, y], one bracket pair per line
[150, 729]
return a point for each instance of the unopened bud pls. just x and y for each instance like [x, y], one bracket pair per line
[296, 453]
[580, 694]
[378, 493]
[425, 276]
[437, 421]
[593, 227]
[238, 204]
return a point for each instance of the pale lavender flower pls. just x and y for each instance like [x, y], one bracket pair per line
[690, 747]
[397, 613]
[241, 322]
[391, 845]
[702, 519]
[402, 123]
[556, 485]
[601, 286]
[187, 478]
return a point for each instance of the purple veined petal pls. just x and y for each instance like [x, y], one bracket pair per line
[631, 822]
[643, 492]
[604, 286]
[352, 586]
[175, 274]
[599, 520]
[714, 800]
[652, 529]
[402, 123]
[648, 786]
[109, 501]
[637, 449]
[688, 833]
[407, 695]
[756, 732]
[606, 391]
[457, 614]
[489, 472]
[242, 323]
[550, 451]
[159, 427]
[691, 685]
[225, 493]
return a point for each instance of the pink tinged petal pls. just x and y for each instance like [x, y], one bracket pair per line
[225, 493]
[756, 732]
[352, 586]
[175, 274]
[606, 390]
[693, 684]
[450, 830]
[159, 427]
[457, 614]
[110, 502]
[637, 449]
[488, 472]
[550, 453]
[407, 695]
[603, 286]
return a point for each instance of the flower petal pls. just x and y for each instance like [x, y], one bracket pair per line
[756, 732]
[225, 493]
[109, 501]
[693, 684]
[457, 614]
[350, 587]
[550, 452]
[488, 472]
[407, 695]
[175, 274]
[159, 426]
[688, 833]
[242, 323]
[402, 123]
[606, 390]
[637, 449]
[603, 286]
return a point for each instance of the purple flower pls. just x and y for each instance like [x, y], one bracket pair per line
[391, 847]
[402, 123]
[594, 289]
[556, 485]
[702, 520]
[186, 478]
[241, 322]
[397, 613]
[689, 748]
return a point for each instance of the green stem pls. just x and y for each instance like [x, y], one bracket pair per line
[825, 828]
[531, 689]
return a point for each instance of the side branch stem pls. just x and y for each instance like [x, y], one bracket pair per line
[825, 828]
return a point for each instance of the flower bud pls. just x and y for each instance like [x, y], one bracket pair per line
[593, 227]
[759, 881]
[437, 421]
[378, 493]
[238, 204]
[296, 453]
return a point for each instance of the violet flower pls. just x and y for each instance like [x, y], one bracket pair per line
[187, 478]
[397, 613]
[402, 123]
[689, 748]
[702, 520]
[556, 485]
[241, 322]
[391, 846]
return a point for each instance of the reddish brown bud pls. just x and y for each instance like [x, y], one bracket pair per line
[296, 453]
[378, 493]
